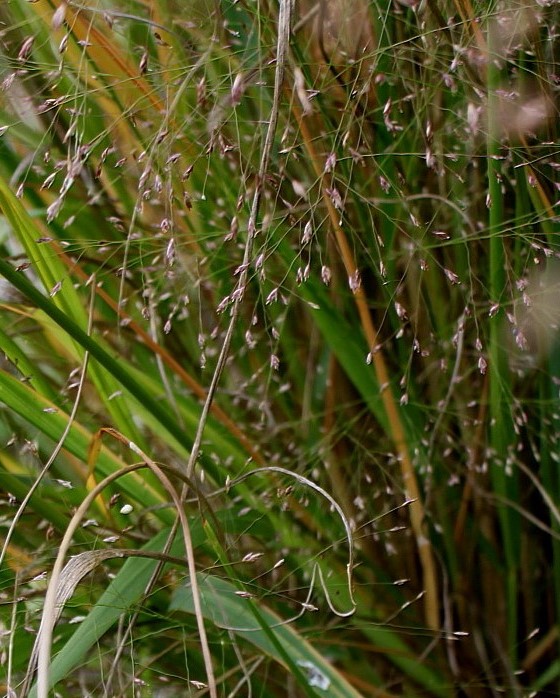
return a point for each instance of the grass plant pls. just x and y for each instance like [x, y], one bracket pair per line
[279, 328]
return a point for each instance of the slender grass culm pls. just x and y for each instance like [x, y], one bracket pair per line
[279, 328]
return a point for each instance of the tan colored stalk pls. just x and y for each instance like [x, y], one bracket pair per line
[48, 620]
[410, 483]
[466, 11]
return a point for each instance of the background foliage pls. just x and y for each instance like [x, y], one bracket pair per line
[371, 299]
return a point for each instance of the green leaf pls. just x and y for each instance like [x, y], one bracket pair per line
[120, 596]
[51, 421]
[222, 605]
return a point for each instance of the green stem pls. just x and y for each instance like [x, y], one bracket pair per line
[501, 424]
[114, 367]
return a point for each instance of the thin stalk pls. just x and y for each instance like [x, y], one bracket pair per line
[396, 427]
[284, 24]
[50, 606]
[501, 425]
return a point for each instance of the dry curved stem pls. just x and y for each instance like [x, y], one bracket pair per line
[48, 619]
[79, 566]
[284, 23]
[398, 435]
[305, 606]
[191, 565]
[348, 530]
[162, 557]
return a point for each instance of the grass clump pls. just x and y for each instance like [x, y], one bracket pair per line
[280, 376]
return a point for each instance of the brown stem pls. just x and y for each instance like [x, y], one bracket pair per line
[410, 483]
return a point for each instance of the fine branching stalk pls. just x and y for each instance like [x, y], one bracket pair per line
[284, 25]
[410, 482]
[300, 260]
